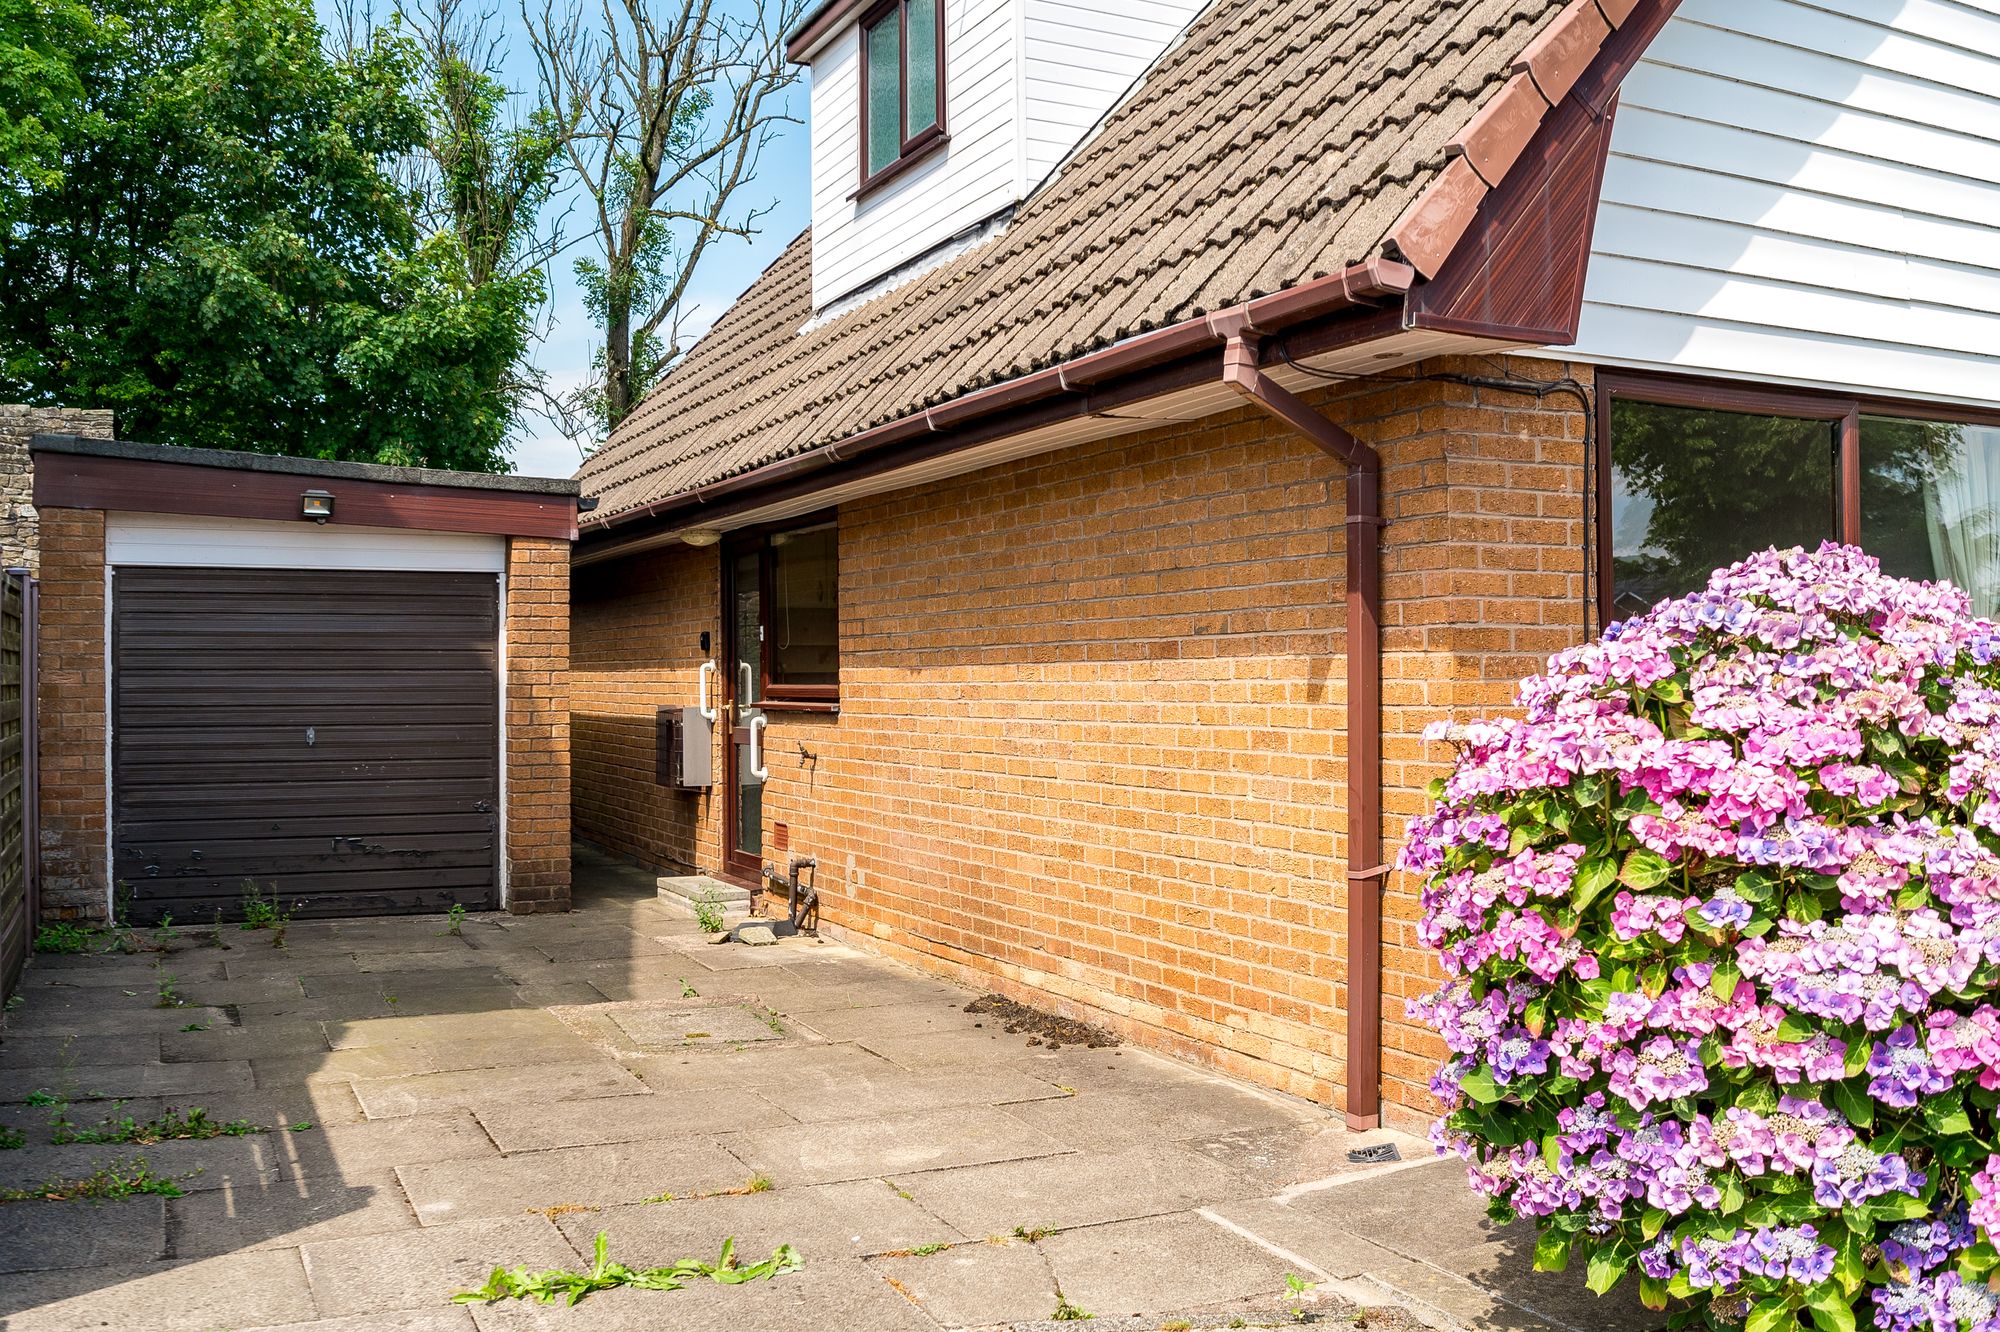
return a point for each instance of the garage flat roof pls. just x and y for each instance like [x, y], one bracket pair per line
[72, 472]
[271, 462]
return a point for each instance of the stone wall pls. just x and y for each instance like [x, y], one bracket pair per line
[19, 530]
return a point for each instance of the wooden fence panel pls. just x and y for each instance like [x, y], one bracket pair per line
[16, 761]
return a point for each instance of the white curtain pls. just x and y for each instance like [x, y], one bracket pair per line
[1962, 504]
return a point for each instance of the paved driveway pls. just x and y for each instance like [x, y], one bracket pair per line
[501, 1095]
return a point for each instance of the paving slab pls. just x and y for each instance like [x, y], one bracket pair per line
[138, 976]
[450, 1191]
[1077, 1189]
[811, 1066]
[383, 1098]
[1161, 1264]
[1103, 1121]
[38, 1236]
[1421, 1215]
[103, 1023]
[382, 1144]
[193, 1164]
[893, 1145]
[406, 1060]
[53, 1051]
[660, 1117]
[839, 1295]
[1286, 1157]
[940, 1050]
[266, 988]
[976, 1284]
[235, 1290]
[423, 1269]
[660, 1028]
[276, 1037]
[823, 1221]
[99, 1081]
[501, 1024]
[280, 1212]
[453, 1319]
[922, 1018]
[901, 1092]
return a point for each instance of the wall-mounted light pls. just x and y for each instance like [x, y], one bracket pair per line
[701, 536]
[316, 505]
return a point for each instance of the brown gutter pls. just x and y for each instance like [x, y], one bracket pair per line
[1241, 371]
[1360, 285]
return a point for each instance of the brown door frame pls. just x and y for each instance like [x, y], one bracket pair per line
[737, 866]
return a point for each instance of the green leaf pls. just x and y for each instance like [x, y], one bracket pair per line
[1644, 868]
[1652, 1294]
[1479, 1085]
[1723, 983]
[1830, 1308]
[1551, 1251]
[1593, 876]
[1607, 1264]
[1754, 886]
[1649, 1225]
[1771, 1315]
[1852, 1102]
[1945, 1114]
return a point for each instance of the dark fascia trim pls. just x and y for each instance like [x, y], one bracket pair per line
[928, 145]
[820, 23]
[135, 451]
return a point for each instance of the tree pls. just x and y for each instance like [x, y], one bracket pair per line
[38, 91]
[674, 102]
[230, 259]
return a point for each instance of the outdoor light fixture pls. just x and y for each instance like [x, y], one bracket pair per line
[701, 536]
[316, 505]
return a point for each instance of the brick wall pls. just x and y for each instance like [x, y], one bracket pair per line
[18, 543]
[538, 729]
[1092, 749]
[636, 648]
[71, 723]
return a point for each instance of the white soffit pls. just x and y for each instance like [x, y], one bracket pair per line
[250, 543]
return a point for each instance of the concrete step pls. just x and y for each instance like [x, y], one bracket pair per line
[683, 891]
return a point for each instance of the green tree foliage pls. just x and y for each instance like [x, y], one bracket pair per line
[231, 260]
[38, 93]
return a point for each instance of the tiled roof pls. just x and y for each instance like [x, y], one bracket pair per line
[1279, 141]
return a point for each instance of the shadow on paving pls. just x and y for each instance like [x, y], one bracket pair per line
[499, 1096]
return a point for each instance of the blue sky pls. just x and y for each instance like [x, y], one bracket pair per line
[729, 266]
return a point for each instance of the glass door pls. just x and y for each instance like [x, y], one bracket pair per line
[744, 851]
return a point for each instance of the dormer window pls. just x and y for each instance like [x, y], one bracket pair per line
[902, 88]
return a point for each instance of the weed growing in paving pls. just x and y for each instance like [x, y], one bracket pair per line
[754, 1184]
[11, 1139]
[708, 911]
[687, 991]
[1297, 1288]
[173, 1124]
[62, 937]
[454, 918]
[117, 1180]
[266, 913]
[558, 1283]
[195, 1026]
[167, 995]
[1067, 1312]
[926, 1250]
[44, 1096]
[1035, 1235]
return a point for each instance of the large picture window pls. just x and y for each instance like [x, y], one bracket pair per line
[902, 86]
[1696, 475]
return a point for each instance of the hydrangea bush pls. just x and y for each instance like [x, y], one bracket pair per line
[1720, 918]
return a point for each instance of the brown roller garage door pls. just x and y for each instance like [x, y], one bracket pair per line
[332, 734]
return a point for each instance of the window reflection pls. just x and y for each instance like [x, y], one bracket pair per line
[1930, 502]
[1693, 489]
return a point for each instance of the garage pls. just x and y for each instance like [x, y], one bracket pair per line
[333, 687]
[334, 734]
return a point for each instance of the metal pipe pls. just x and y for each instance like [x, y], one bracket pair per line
[1242, 371]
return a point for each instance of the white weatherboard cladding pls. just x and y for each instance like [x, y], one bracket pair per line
[242, 543]
[1079, 58]
[1025, 81]
[975, 176]
[1808, 194]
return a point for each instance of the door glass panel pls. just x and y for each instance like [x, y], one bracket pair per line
[1694, 489]
[746, 644]
[1930, 502]
[885, 92]
[805, 608]
[923, 111]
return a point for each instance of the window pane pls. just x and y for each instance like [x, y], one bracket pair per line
[1930, 502]
[1694, 489]
[923, 65]
[805, 607]
[884, 74]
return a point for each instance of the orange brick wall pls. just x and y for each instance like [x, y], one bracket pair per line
[70, 695]
[637, 648]
[1091, 747]
[538, 744]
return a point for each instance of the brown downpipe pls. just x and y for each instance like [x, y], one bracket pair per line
[1241, 371]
